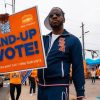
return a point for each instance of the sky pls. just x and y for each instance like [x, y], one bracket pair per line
[76, 12]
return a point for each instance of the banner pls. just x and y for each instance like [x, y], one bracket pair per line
[21, 44]
[25, 76]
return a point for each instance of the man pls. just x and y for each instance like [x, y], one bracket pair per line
[61, 49]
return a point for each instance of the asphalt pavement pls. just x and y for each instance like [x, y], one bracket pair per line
[92, 91]
[4, 91]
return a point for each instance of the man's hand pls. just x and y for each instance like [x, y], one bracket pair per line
[4, 18]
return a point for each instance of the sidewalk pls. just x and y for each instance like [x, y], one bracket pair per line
[26, 96]
[91, 91]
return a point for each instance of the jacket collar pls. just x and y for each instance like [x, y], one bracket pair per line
[65, 33]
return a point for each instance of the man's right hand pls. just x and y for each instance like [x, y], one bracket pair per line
[4, 18]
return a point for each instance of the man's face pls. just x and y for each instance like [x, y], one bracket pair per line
[56, 18]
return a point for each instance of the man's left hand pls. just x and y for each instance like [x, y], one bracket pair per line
[4, 18]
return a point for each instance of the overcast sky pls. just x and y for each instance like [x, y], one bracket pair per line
[76, 12]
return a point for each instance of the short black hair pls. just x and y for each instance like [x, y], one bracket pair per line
[63, 14]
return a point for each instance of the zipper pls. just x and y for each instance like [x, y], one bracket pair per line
[43, 77]
[62, 69]
[49, 48]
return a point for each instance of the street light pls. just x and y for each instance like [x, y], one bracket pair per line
[87, 31]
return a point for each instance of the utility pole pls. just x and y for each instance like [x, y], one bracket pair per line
[83, 41]
[12, 5]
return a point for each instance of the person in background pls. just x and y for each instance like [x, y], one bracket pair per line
[93, 75]
[32, 79]
[4, 23]
[98, 72]
[15, 83]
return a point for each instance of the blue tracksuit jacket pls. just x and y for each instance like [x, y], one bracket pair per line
[66, 50]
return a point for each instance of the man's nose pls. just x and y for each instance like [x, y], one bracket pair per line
[54, 16]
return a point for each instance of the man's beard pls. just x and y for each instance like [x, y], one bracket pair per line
[55, 26]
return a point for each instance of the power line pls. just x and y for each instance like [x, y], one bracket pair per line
[94, 53]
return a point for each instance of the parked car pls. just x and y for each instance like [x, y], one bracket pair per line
[1, 82]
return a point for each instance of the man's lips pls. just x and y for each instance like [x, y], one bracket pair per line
[55, 21]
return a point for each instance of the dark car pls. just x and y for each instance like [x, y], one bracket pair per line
[1, 82]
